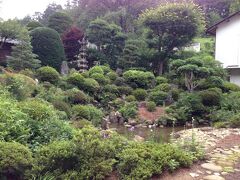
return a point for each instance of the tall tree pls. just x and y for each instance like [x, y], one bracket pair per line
[22, 56]
[48, 46]
[173, 25]
[60, 22]
[71, 43]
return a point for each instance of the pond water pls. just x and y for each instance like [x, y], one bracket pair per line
[156, 134]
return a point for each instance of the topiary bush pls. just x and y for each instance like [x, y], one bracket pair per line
[48, 74]
[234, 121]
[87, 112]
[96, 70]
[140, 94]
[159, 97]
[130, 98]
[76, 96]
[139, 79]
[165, 87]
[76, 79]
[151, 106]
[62, 106]
[112, 75]
[227, 87]
[125, 90]
[48, 46]
[161, 80]
[15, 160]
[100, 78]
[211, 97]
[129, 110]
[90, 85]
[120, 81]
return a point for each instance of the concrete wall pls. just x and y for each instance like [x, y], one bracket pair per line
[235, 76]
[228, 42]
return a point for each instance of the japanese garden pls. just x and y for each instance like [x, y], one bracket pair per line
[120, 89]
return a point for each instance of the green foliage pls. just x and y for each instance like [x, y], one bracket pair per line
[129, 110]
[140, 94]
[142, 161]
[211, 97]
[87, 112]
[48, 74]
[90, 85]
[165, 87]
[62, 106]
[227, 87]
[125, 90]
[15, 160]
[47, 45]
[161, 80]
[100, 78]
[151, 106]
[21, 56]
[76, 79]
[234, 121]
[159, 97]
[130, 98]
[96, 70]
[76, 96]
[60, 22]
[112, 75]
[33, 24]
[138, 79]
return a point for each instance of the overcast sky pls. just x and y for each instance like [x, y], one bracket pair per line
[10, 9]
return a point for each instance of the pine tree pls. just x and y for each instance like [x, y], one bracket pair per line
[22, 56]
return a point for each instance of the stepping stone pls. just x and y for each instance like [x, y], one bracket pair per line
[213, 177]
[193, 175]
[212, 167]
[224, 173]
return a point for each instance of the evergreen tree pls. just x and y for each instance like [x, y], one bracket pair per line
[22, 56]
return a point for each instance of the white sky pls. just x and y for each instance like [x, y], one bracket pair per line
[10, 9]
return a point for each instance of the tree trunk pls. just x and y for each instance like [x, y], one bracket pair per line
[160, 68]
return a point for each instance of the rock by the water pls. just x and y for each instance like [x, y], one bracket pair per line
[193, 175]
[212, 167]
[138, 138]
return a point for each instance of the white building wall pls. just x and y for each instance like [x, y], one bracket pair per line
[235, 76]
[228, 42]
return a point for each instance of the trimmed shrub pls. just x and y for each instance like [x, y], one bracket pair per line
[90, 85]
[33, 25]
[234, 121]
[111, 88]
[175, 94]
[125, 90]
[106, 69]
[129, 110]
[76, 79]
[165, 87]
[88, 112]
[100, 78]
[227, 87]
[138, 79]
[161, 80]
[159, 97]
[112, 75]
[96, 70]
[76, 96]
[48, 46]
[62, 106]
[211, 97]
[140, 94]
[151, 106]
[130, 98]
[15, 160]
[120, 81]
[48, 74]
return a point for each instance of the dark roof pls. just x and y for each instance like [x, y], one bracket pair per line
[212, 30]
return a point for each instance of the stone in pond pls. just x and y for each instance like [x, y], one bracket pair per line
[212, 167]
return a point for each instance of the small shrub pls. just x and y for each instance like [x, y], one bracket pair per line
[140, 94]
[48, 74]
[165, 87]
[112, 76]
[62, 106]
[220, 124]
[96, 69]
[227, 87]
[158, 97]
[15, 160]
[76, 79]
[139, 78]
[211, 97]
[106, 69]
[151, 106]
[100, 78]
[130, 98]
[129, 110]
[234, 121]
[90, 85]
[175, 94]
[76, 96]
[120, 81]
[161, 80]
[111, 88]
[88, 112]
[126, 90]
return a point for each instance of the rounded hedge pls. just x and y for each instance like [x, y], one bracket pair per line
[90, 85]
[96, 69]
[48, 74]
[48, 46]
[158, 97]
[76, 96]
[76, 79]
[161, 80]
[211, 97]
[151, 106]
[100, 78]
[33, 25]
[140, 94]
[15, 160]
